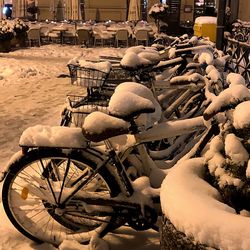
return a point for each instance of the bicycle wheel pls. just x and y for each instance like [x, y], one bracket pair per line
[30, 192]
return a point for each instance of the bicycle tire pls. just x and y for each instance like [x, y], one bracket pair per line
[29, 213]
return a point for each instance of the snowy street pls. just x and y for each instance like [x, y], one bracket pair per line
[32, 93]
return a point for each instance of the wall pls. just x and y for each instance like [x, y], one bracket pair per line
[244, 10]
[115, 10]
[51, 10]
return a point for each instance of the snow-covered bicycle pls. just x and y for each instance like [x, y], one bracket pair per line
[62, 186]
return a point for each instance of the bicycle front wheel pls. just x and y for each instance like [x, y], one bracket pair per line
[35, 182]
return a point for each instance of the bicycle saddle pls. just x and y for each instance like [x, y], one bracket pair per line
[127, 105]
[123, 107]
[99, 126]
[138, 57]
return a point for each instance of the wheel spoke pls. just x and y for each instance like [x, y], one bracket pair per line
[31, 191]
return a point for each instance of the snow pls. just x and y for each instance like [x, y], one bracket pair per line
[102, 66]
[235, 79]
[95, 244]
[214, 157]
[108, 124]
[205, 218]
[206, 57]
[143, 191]
[206, 20]
[139, 56]
[235, 150]
[47, 136]
[241, 118]
[213, 74]
[124, 104]
[193, 40]
[184, 79]
[32, 93]
[146, 120]
[248, 169]
[230, 96]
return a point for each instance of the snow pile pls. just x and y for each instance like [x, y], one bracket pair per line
[95, 243]
[193, 40]
[193, 78]
[47, 136]
[126, 104]
[205, 218]
[57, 56]
[108, 126]
[101, 66]
[235, 79]
[241, 118]
[144, 191]
[206, 57]
[231, 96]
[213, 74]
[235, 154]
[235, 151]
[11, 70]
[145, 120]
[206, 20]
[139, 56]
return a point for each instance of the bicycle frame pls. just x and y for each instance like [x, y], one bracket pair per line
[168, 129]
[158, 131]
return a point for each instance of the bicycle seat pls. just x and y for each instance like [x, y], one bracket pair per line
[127, 105]
[99, 126]
[139, 58]
[123, 107]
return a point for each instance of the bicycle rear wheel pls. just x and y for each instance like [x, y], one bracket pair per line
[30, 192]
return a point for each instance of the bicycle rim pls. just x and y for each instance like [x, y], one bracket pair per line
[30, 204]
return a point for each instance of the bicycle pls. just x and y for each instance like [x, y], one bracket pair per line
[100, 88]
[63, 186]
[183, 100]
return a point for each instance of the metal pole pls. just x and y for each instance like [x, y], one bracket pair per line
[220, 24]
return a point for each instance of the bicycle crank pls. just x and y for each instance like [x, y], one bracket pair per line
[143, 220]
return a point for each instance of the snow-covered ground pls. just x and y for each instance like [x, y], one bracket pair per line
[31, 92]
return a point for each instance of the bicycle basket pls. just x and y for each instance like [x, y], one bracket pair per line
[119, 75]
[87, 77]
[88, 105]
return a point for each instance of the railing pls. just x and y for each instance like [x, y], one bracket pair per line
[241, 31]
[240, 61]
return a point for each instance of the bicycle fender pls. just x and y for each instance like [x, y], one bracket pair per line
[6, 168]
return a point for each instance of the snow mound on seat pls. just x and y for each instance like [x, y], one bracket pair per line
[139, 56]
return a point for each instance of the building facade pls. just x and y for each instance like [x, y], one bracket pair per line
[117, 10]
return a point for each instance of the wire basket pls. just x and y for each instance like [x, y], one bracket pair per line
[118, 74]
[88, 105]
[87, 77]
